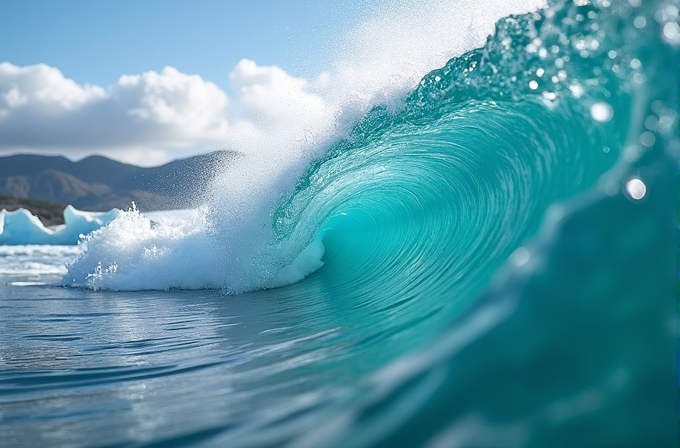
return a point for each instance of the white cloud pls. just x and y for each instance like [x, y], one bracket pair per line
[42, 88]
[185, 102]
[42, 111]
[154, 113]
[151, 117]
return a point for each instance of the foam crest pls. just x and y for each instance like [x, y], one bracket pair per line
[135, 253]
[387, 54]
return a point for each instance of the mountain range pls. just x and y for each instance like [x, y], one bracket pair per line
[97, 183]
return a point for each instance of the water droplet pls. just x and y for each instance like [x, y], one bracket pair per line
[640, 22]
[612, 54]
[651, 123]
[647, 138]
[671, 32]
[636, 188]
[601, 112]
[520, 256]
[665, 125]
[540, 72]
[635, 64]
[577, 90]
[533, 85]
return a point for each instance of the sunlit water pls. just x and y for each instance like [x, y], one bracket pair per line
[491, 264]
[182, 366]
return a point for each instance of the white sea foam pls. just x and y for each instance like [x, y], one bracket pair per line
[35, 263]
[134, 252]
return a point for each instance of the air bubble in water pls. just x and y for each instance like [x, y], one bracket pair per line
[636, 188]
[601, 112]
[671, 32]
[520, 256]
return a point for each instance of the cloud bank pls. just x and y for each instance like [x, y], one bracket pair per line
[41, 110]
[152, 117]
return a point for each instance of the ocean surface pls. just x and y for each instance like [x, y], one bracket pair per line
[490, 263]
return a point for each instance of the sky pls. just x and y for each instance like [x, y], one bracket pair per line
[146, 82]
[96, 41]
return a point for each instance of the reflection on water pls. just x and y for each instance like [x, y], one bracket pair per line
[77, 366]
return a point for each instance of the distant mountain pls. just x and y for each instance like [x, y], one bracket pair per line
[98, 183]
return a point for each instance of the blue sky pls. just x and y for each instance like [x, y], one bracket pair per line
[149, 81]
[97, 41]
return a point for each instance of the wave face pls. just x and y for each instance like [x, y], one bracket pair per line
[560, 130]
[480, 152]
[430, 205]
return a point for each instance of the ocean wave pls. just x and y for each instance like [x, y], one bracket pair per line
[516, 210]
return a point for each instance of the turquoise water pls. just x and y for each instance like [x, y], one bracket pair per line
[499, 269]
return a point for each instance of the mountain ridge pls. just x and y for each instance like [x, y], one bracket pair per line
[97, 183]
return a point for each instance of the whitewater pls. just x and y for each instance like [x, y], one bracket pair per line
[477, 248]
